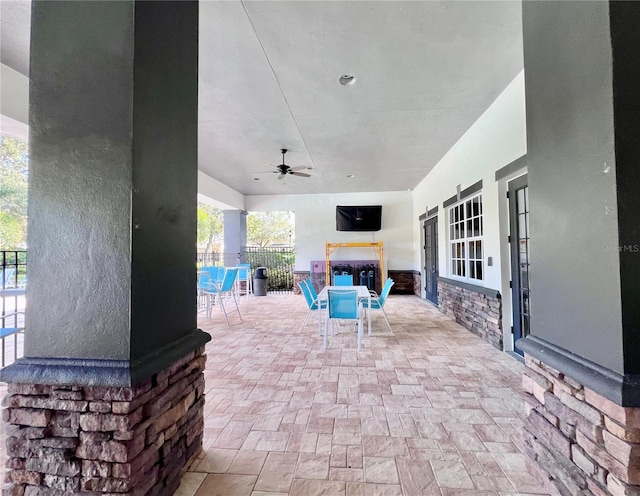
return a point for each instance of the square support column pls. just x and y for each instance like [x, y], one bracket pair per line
[235, 237]
[108, 397]
[582, 377]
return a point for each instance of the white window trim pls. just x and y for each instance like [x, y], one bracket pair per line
[466, 241]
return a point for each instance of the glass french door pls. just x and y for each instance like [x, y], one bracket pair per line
[520, 245]
[431, 259]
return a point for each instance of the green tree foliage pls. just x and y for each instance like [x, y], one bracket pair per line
[14, 166]
[210, 225]
[266, 228]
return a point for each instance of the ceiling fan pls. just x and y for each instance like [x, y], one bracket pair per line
[283, 169]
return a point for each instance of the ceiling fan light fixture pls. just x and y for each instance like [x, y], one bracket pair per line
[347, 80]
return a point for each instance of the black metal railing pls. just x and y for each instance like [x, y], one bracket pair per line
[13, 264]
[13, 281]
[207, 259]
[280, 263]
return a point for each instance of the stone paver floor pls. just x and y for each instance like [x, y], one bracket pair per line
[429, 409]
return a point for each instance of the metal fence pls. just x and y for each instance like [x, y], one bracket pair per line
[13, 264]
[207, 259]
[280, 263]
[13, 280]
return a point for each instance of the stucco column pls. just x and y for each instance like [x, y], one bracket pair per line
[112, 350]
[582, 376]
[235, 237]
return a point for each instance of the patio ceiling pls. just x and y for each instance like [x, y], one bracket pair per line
[425, 71]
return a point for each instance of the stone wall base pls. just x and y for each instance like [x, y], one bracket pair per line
[579, 442]
[417, 283]
[96, 440]
[299, 276]
[403, 282]
[477, 312]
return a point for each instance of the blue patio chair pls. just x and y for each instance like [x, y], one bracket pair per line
[222, 289]
[10, 329]
[312, 300]
[377, 302]
[343, 304]
[215, 273]
[7, 278]
[343, 280]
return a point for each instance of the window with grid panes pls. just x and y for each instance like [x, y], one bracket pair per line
[465, 239]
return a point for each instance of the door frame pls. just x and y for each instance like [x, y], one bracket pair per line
[518, 315]
[431, 294]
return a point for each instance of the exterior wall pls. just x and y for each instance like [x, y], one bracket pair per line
[93, 440]
[584, 443]
[495, 140]
[479, 312]
[316, 224]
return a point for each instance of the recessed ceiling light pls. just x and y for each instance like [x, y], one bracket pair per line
[347, 79]
[349, 176]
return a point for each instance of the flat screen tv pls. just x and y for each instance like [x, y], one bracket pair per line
[358, 218]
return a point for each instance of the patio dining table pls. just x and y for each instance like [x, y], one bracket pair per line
[361, 291]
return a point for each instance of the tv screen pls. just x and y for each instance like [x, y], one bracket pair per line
[359, 218]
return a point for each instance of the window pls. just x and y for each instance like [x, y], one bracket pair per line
[465, 238]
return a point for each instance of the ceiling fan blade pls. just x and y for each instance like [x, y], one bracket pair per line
[299, 167]
[301, 174]
[281, 176]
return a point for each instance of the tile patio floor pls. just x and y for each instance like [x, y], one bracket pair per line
[428, 410]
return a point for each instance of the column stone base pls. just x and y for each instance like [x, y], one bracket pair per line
[580, 442]
[299, 276]
[92, 440]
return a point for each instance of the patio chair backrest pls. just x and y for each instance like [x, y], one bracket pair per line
[203, 281]
[215, 273]
[343, 304]
[311, 288]
[244, 271]
[343, 280]
[230, 274]
[304, 287]
[385, 291]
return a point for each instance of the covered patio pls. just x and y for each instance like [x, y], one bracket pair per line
[429, 409]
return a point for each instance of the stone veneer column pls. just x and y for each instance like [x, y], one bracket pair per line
[98, 439]
[582, 376]
[585, 443]
[108, 397]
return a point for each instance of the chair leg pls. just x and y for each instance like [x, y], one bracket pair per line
[237, 308]
[326, 334]
[224, 310]
[306, 320]
[359, 333]
[385, 318]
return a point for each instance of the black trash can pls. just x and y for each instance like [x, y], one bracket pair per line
[260, 282]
